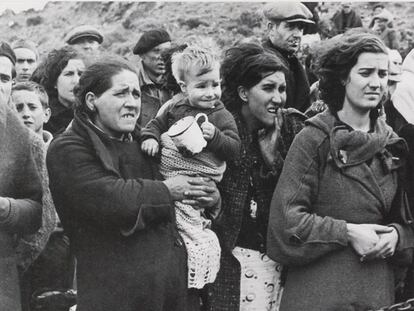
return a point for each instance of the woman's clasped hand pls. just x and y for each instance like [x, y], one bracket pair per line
[372, 241]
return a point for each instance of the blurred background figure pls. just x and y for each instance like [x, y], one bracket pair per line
[403, 97]
[59, 74]
[346, 18]
[392, 116]
[86, 38]
[27, 58]
[381, 24]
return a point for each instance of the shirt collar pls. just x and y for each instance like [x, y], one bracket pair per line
[126, 137]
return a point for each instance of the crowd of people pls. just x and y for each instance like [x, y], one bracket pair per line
[294, 190]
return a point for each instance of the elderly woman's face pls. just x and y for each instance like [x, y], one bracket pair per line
[367, 82]
[67, 80]
[265, 98]
[118, 108]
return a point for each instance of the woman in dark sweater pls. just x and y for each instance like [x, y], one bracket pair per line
[118, 213]
[255, 93]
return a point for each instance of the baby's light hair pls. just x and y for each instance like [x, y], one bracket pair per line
[203, 58]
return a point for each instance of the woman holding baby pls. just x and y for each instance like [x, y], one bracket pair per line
[118, 212]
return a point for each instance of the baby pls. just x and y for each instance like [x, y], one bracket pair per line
[197, 71]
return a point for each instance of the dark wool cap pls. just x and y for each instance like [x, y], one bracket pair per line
[7, 51]
[150, 39]
[288, 11]
[84, 31]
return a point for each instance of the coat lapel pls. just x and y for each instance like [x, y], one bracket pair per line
[363, 175]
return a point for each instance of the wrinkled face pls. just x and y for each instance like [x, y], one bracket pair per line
[153, 61]
[202, 88]
[381, 23]
[118, 108]
[346, 7]
[87, 44]
[26, 63]
[67, 80]
[366, 83]
[265, 98]
[286, 36]
[6, 67]
[30, 109]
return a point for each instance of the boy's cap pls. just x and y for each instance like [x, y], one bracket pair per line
[25, 44]
[290, 12]
[83, 31]
[7, 51]
[150, 39]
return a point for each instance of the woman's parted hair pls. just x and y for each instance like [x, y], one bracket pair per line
[97, 78]
[50, 69]
[336, 58]
[246, 65]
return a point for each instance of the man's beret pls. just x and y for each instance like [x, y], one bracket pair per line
[7, 51]
[288, 12]
[83, 31]
[150, 39]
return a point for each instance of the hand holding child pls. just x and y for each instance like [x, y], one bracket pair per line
[150, 146]
[208, 130]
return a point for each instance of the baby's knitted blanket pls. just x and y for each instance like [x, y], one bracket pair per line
[203, 247]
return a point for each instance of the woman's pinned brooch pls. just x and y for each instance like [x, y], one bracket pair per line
[342, 156]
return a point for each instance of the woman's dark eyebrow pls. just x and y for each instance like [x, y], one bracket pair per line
[121, 89]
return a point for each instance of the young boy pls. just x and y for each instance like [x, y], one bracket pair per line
[197, 71]
[32, 105]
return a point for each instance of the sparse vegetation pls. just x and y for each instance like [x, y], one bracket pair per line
[123, 22]
[34, 21]
[192, 23]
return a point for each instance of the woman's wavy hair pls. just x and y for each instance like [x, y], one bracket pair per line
[245, 65]
[336, 58]
[49, 70]
[97, 78]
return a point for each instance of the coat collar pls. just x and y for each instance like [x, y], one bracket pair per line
[85, 128]
[351, 151]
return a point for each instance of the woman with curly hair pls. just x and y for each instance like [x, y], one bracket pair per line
[255, 93]
[336, 217]
[59, 73]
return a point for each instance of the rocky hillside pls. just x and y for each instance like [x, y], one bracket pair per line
[123, 22]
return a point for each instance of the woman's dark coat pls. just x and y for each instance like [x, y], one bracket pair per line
[334, 176]
[120, 220]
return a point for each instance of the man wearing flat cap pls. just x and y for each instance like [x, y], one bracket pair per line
[85, 37]
[27, 57]
[20, 184]
[286, 22]
[151, 70]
